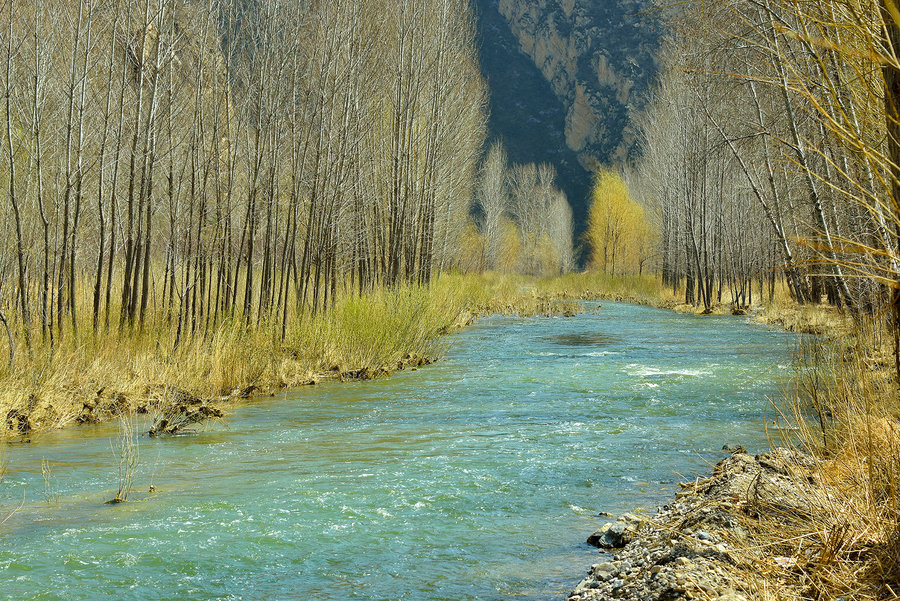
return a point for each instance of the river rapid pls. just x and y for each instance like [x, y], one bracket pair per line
[478, 477]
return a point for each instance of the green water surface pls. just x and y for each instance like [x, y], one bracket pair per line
[476, 478]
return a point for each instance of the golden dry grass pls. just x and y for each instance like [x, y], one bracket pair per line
[844, 410]
[99, 377]
[96, 377]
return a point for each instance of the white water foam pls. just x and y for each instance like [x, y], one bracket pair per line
[643, 371]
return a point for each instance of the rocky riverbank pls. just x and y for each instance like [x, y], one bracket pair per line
[708, 542]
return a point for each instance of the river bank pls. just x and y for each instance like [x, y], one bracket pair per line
[764, 527]
[95, 377]
[818, 523]
[706, 542]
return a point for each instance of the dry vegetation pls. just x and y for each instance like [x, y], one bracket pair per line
[220, 180]
[523, 295]
[840, 539]
[100, 377]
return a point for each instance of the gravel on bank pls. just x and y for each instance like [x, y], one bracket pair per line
[703, 544]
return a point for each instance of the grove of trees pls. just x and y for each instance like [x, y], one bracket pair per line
[190, 161]
[771, 152]
[525, 221]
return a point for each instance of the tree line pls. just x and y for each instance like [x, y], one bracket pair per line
[195, 161]
[771, 152]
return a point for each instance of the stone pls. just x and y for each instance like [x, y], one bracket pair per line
[595, 538]
[612, 536]
[617, 534]
[583, 585]
[603, 567]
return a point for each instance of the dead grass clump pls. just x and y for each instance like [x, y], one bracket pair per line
[888, 565]
[593, 285]
[177, 411]
[844, 543]
[126, 451]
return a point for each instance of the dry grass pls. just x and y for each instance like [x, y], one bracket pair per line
[127, 453]
[589, 285]
[522, 295]
[820, 319]
[845, 542]
[779, 310]
[91, 378]
[97, 378]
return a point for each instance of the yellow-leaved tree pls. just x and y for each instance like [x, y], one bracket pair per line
[618, 234]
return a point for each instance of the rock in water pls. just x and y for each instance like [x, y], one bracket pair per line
[615, 535]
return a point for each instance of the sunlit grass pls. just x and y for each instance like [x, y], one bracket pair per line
[97, 377]
[522, 295]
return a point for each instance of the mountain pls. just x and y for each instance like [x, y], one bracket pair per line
[568, 79]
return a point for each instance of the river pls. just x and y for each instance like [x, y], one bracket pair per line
[478, 477]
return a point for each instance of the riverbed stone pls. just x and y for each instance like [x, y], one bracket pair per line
[615, 535]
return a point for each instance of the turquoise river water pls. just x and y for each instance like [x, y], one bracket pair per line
[478, 477]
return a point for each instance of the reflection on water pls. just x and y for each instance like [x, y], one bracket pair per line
[476, 478]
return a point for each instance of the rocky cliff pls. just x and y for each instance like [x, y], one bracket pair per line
[568, 78]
